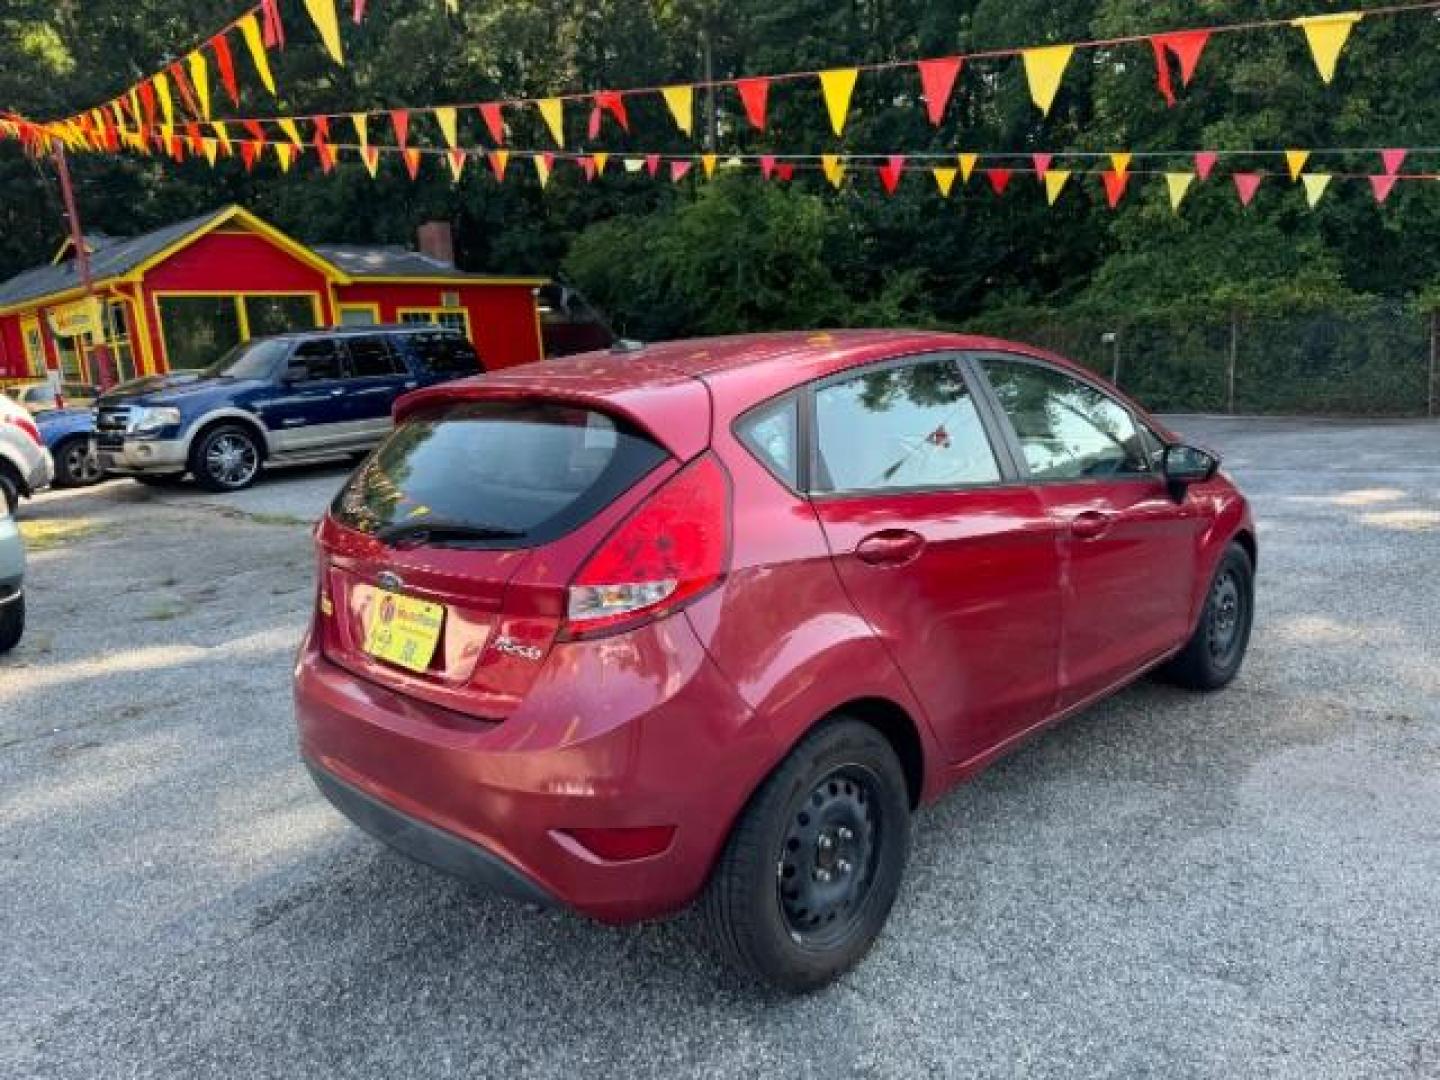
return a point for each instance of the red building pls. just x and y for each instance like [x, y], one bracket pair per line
[180, 296]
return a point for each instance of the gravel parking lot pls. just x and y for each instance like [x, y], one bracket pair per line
[1170, 885]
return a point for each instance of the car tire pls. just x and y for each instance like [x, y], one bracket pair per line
[226, 458]
[813, 866]
[9, 490]
[1212, 657]
[12, 623]
[75, 466]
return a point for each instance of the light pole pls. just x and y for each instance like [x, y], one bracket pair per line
[82, 264]
[1112, 339]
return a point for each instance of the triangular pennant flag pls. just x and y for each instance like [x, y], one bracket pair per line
[400, 124]
[182, 87]
[890, 172]
[322, 13]
[937, 83]
[256, 130]
[147, 100]
[411, 155]
[633, 164]
[1179, 185]
[285, 152]
[1315, 185]
[833, 166]
[1205, 162]
[1296, 159]
[1055, 181]
[755, 97]
[1042, 163]
[1327, 35]
[1393, 159]
[226, 63]
[325, 152]
[494, 121]
[291, 130]
[499, 159]
[836, 85]
[678, 169]
[274, 28]
[248, 150]
[1187, 47]
[446, 118]
[1246, 184]
[1115, 185]
[681, 100]
[967, 166]
[1120, 162]
[456, 159]
[601, 158]
[167, 106]
[1382, 186]
[250, 31]
[544, 166]
[200, 79]
[358, 13]
[767, 165]
[999, 179]
[1044, 68]
[613, 102]
[222, 134]
[552, 110]
[587, 166]
[370, 155]
[361, 123]
[944, 179]
[707, 162]
[210, 148]
[652, 165]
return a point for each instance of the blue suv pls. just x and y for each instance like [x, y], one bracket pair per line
[292, 398]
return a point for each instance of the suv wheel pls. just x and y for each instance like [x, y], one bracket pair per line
[12, 623]
[811, 870]
[75, 466]
[226, 458]
[1212, 657]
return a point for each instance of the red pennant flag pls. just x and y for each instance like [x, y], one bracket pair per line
[182, 83]
[177, 148]
[1205, 164]
[323, 149]
[274, 28]
[226, 63]
[767, 165]
[1382, 186]
[1247, 184]
[411, 155]
[785, 172]
[248, 150]
[1115, 185]
[593, 128]
[999, 179]
[494, 121]
[678, 169]
[937, 82]
[457, 161]
[147, 99]
[498, 161]
[613, 102]
[1187, 47]
[652, 165]
[1393, 159]
[256, 130]
[890, 172]
[1042, 163]
[359, 11]
[755, 96]
[587, 166]
[400, 121]
[193, 137]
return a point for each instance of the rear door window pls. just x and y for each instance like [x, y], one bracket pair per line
[448, 356]
[496, 474]
[371, 357]
[321, 359]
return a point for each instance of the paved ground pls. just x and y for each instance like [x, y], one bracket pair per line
[1171, 885]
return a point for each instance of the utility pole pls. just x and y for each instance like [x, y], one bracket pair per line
[82, 264]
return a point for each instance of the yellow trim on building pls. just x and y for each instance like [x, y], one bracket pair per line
[387, 279]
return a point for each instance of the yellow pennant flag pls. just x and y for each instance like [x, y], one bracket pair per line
[944, 179]
[135, 108]
[707, 162]
[1296, 159]
[456, 160]
[210, 148]
[289, 127]
[1315, 185]
[1327, 35]
[370, 155]
[285, 152]
[542, 169]
[222, 133]
[833, 168]
[1044, 68]
[1121, 163]
[255, 43]
[167, 107]
[967, 166]
[322, 12]
[837, 85]
[681, 100]
[1055, 181]
[361, 123]
[1179, 184]
[601, 159]
[200, 77]
[553, 111]
[445, 117]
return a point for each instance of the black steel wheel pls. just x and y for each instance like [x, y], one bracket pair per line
[1212, 657]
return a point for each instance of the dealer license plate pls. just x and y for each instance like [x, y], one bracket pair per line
[403, 630]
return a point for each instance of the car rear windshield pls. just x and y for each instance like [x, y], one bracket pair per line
[495, 474]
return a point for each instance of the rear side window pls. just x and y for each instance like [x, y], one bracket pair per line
[370, 357]
[772, 434]
[447, 355]
[321, 359]
[514, 474]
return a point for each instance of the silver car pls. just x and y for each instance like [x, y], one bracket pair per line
[12, 583]
[25, 463]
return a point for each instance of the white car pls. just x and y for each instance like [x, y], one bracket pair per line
[12, 583]
[25, 464]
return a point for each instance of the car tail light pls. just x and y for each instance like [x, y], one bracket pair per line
[25, 424]
[672, 548]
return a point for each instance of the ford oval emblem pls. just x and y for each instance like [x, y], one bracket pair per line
[387, 580]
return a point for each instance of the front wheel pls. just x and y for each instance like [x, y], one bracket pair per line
[1212, 657]
[810, 872]
[12, 623]
[75, 465]
[226, 458]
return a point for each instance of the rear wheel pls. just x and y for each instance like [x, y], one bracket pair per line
[12, 623]
[1212, 657]
[75, 466]
[226, 458]
[814, 864]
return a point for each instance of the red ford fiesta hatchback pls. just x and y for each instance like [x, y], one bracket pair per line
[711, 619]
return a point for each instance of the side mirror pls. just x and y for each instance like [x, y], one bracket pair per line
[1186, 465]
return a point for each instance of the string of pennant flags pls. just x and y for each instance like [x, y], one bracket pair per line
[127, 120]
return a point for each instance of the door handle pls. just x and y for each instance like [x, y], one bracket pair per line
[1090, 525]
[893, 547]
[336, 392]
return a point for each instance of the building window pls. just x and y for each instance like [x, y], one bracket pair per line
[265, 315]
[34, 346]
[198, 330]
[450, 318]
[118, 337]
[359, 314]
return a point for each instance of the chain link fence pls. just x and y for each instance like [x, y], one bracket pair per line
[1375, 362]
